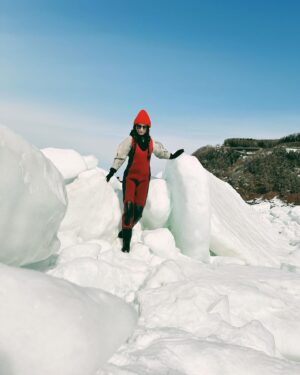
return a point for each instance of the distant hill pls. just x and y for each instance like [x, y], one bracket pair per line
[257, 167]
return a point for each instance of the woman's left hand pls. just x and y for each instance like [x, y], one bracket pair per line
[176, 154]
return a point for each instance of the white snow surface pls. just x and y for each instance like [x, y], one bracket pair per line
[69, 162]
[94, 210]
[50, 326]
[236, 313]
[190, 214]
[158, 205]
[33, 202]
[237, 230]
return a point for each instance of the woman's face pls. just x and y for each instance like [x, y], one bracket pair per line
[141, 129]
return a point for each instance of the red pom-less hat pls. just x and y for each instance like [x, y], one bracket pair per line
[142, 118]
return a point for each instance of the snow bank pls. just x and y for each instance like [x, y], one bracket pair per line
[33, 202]
[285, 218]
[161, 242]
[190, 199]
[238, 230]
[109, 269]
[223, 317]
[256, 307]
[69, 162]
[158, 205]
[93, 210]
[240, 310]
[177, 352]
[50, 327]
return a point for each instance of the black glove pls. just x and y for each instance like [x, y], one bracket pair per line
[176, 154]
[112, 171]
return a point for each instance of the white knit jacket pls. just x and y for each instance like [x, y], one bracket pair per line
[125, 146]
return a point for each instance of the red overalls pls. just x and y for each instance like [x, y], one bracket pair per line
[136, 182]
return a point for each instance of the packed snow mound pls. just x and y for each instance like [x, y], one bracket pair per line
[256, 307]
[94, 211]
[161, 242]
[189, 220]
[33, 202]
[240, 231]
[93, 265]
[50, 326]
[170, 351]
[191, 313]
[285, 218]
[69, 162]
[158, 205]
[194, 315]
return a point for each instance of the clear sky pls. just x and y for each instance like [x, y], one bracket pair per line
[74, 74]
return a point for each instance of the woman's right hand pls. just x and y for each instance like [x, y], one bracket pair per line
[112, 171]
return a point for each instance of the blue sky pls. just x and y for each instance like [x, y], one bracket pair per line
[74, 74]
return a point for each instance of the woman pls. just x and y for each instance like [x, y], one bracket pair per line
[138, 146]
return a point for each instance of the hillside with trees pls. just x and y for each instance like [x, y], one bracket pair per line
[257, 168]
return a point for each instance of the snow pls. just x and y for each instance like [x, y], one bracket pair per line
[237, 230]
[179, 353]
[233, 312]
[69, 162]
[209, 297]
[33, 202]
[284, 218]
[161, 242]
[108, 270]
[49, 326]
[158, 205]
[94, 210]
[189, 188]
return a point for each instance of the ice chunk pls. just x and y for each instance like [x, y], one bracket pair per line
[158, 206]
[69, 162]
[190, 215]
[50, 326]
[161, 242]
[91, 161]
[33, 202]
[237, 230]
[168, 351]
[82, 250]
[94, 210]
[198, 301]
[111, 270]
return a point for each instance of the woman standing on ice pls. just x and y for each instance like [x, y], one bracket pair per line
[138, 147]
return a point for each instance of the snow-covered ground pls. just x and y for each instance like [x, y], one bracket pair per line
[211, 284]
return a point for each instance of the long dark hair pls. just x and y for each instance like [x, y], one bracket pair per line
[142, 140]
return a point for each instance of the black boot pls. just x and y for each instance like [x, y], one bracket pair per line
[127, 233]
[137, 213]
[127, 216]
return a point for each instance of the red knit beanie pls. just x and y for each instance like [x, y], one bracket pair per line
[142, 118]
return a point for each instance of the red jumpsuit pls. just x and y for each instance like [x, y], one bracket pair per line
[136, 181]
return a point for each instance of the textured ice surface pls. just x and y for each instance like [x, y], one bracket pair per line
[223, 317]
[69, 162]
[32, 199]
[52, 327]
[94, 210]
[238, 230]
[190, 205]
[158, 205]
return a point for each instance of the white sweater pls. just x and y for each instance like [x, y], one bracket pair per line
[125, 147]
